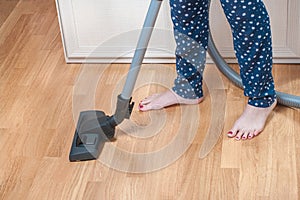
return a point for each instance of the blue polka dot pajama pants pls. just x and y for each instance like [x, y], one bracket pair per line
[250, 25]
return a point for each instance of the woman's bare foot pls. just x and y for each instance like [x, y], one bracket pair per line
[162, 100]
[251, 122]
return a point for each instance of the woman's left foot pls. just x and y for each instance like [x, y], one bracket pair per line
[251, 122]
[164, 99]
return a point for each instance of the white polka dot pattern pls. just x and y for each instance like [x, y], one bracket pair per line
[251, 33]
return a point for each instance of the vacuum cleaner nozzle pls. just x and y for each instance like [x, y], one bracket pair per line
[94, 128]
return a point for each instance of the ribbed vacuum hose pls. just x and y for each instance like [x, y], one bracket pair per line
[283, 98]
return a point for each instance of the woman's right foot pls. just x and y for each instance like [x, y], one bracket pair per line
[165, 99]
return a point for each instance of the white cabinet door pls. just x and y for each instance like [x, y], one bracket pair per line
[107, 30]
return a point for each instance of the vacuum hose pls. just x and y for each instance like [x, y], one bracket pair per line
[283, 98]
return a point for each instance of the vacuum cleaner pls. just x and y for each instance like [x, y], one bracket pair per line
[94, 128]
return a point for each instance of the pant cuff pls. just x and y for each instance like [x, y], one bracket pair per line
[263, 102]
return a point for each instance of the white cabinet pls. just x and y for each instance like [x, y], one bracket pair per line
[107, 30]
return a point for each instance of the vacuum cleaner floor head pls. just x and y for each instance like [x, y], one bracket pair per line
[92, 131]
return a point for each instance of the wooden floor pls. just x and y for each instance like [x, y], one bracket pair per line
[6, 7]
[156, 155]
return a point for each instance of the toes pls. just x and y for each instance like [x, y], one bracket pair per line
[144, 107]
[143, 102]
[251, 135]
[245, 136]
[255, 133]
[148, 99]
[141, 106]
[239, 135]
[232, 133]
[149, 106]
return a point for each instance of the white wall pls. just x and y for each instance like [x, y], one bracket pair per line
[107, 30]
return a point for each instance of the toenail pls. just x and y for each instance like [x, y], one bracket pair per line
[238, 138]
[230, 133]
[141, 106]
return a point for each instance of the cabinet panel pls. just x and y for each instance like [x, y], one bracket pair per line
[107, 30]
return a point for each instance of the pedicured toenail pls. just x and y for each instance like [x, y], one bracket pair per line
[230, 133]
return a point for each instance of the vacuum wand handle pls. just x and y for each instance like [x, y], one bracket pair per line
[141, 48]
